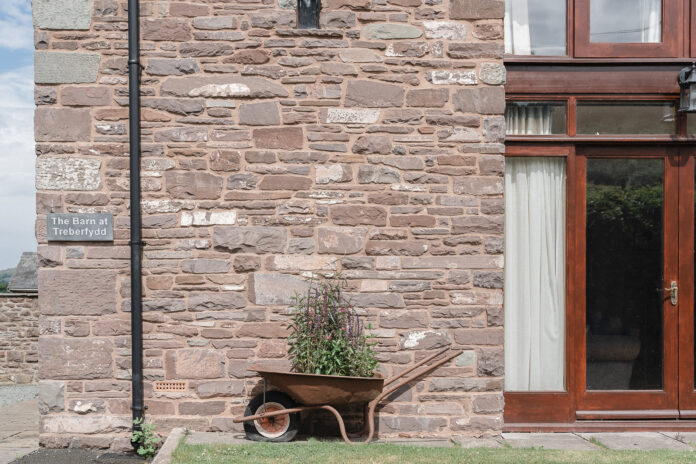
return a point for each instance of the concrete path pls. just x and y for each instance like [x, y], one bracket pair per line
[553, 441]
[19, 430]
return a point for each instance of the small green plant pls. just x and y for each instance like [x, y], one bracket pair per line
[144, 436]
[327, 336]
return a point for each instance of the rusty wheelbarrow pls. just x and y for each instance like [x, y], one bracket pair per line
[275, 415]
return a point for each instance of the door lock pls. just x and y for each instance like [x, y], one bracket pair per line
[673, 290]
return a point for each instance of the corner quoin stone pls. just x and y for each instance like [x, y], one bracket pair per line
[80, 292]
[54, 173]
[62, 14]
[65, 67]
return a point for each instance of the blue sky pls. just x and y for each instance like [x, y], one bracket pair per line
[16, 132]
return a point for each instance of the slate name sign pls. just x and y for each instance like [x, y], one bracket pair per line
[80, 227]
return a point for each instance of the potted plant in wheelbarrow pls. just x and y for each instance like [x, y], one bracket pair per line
[332, 364]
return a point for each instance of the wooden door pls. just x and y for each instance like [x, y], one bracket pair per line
[627, 252]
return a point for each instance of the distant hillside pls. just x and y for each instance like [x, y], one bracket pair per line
[5, 276]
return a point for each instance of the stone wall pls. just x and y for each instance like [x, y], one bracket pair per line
[19, 335]
[371, 147]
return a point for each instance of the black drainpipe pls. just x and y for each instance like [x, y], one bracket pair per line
[136, 240]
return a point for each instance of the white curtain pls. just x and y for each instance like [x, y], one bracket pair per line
[517, 39]
[651, 21]
[535, 199]
[528, 119]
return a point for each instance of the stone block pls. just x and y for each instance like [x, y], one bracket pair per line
[410, 319]
[359, 55]
[285, 138]
[225, 160]
[169, 29]
[182, 134]
[209, 301]
[205, 266]
[429, 98]
[85, 96]
[171, 66]
[194, 364]
[351, 116]
[248, 57]
[202, 408]
[259, 114]
[208, 218]
[193, 185]
[62, 125]
[389, 31]
[275, 289]
[333, 173]
[492, 73]
[372, 144]
[491, 361]
[371, 94]
[475, 50]
[220, 389]
[62, 14]
[51, 396]
[469, 185]
[263, 330]
[67, 359]
[73, 424]
[88, 292]
[65, 67]
[351, 215]
[483, 100]
[285, 182]
[368, 174]
[222, 87]
[341, 240]
[250, 239]
[477, 9]
[452, 77]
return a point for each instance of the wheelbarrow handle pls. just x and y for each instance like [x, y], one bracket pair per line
[416, 366]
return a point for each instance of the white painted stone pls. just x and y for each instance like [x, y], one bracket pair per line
[423, 47]
[220, 104]
[65, 67]
[161, 206]
[452, 77]
[208, 218]
[351, 116]
[492, 73]
[451, 30]
[412, 339]
[326, 174]
[53, 173]
[477, 298]
[157, 164]
[62, 14]
[304, 263]
[359, 55]
[287, 4]
[221, 90]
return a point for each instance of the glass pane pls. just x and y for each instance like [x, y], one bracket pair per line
[690, 124]
[535, 199]
[596, 118]
[535, 118]
[535, 27]
[626, 21]
[624, 274]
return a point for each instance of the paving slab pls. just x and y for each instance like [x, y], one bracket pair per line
[19, 430]
[554, 441]
[428, 443]
[637, 441]
[206, 438]
[684, 437]
[473, 442]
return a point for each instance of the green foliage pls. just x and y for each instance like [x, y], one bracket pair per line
[145, 437]
[327, 335]
[3, 287]
[5, 276]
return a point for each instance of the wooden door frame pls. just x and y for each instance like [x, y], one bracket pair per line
[629, 404]
[528, 408]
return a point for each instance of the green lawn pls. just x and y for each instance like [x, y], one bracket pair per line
[340, 453]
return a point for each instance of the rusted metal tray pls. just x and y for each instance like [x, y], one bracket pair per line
[313, 389]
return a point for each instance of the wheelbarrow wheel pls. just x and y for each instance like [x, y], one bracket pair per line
[275, 428]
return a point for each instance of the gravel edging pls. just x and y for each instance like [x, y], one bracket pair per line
[11, 394]
[164, 456]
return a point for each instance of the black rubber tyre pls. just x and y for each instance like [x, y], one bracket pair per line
[274, 429]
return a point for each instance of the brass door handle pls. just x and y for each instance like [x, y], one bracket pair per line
[673, 293]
